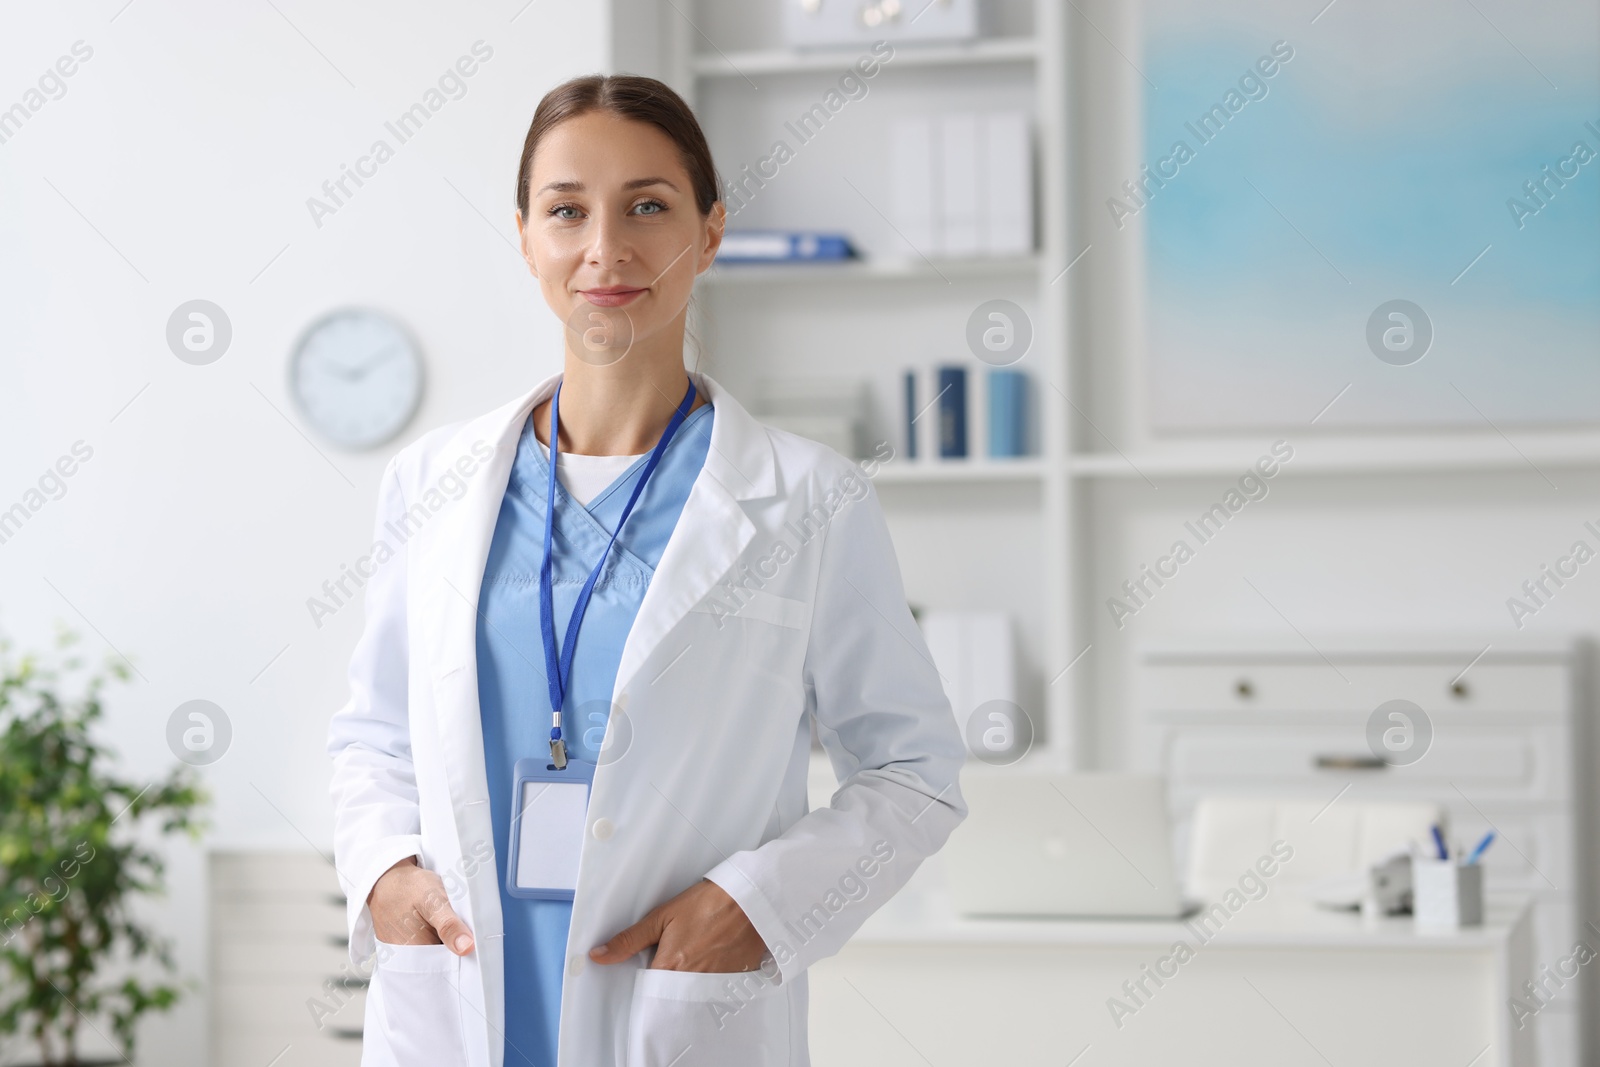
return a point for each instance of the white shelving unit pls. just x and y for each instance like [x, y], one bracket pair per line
[1047, 538]
[970, 533]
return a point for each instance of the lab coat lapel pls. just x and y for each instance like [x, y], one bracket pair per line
[449, 580]
[452, 551]
[710, 534]
[712, 530]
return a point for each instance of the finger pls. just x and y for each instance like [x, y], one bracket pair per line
[406, 928]
[435, 908]
[641, 935]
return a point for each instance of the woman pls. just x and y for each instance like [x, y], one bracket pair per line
[570, 783]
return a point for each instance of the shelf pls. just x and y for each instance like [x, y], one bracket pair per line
[859, 270]
[906, 54]
[902, 472]
[1536, 454]
[1353, 646]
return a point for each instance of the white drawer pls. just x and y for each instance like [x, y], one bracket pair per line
[275, 956]
[284, 1007]
[281, 914]
[256, 1047]
[1315, 686]
[267, 873]
[1486, 762]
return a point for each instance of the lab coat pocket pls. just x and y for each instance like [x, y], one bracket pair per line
[414, 1008]
[760, 631]
[696, 1019]
[757, 605]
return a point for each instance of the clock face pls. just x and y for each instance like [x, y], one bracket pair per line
[356, 376]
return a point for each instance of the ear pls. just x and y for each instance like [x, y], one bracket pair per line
[716, 225]
[522, 243]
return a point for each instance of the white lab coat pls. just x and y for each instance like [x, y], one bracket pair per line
[736, 647]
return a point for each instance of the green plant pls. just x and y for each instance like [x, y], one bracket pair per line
[71, 862]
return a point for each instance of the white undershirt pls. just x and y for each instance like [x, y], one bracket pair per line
[585, 477]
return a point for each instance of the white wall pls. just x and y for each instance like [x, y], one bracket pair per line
[190, 141]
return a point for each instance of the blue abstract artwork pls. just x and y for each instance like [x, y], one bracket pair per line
[1369, 214]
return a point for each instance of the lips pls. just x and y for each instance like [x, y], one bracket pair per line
[611, 295]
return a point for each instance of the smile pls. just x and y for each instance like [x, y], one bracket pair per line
[615, 296]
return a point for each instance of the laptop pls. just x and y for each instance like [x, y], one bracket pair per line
[1064, 846]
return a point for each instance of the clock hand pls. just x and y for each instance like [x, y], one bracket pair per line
[339, 370]
[363, 369]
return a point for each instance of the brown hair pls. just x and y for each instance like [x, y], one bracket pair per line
[634, 97]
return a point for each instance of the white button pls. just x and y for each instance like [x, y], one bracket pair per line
[603, 828]
[575, 964]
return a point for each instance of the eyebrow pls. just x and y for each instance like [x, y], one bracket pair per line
[571, 186]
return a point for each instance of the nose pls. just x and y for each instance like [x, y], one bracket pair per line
[609, 244]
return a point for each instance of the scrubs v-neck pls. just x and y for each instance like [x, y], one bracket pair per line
[513, 694]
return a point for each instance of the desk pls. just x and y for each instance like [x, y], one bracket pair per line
[1279, 984]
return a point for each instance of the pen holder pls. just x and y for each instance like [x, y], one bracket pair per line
[1446, 894]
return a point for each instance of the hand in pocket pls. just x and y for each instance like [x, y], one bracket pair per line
[409, 907]
[701, 929]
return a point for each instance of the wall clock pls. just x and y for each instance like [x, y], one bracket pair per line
[356, 377]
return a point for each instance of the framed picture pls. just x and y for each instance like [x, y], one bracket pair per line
[1369, 215]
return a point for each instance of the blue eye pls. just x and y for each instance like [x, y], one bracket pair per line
[570, 212]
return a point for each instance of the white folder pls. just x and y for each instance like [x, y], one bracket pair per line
[1007, 224]
[912, 177]
[960, 176]
[975, 653]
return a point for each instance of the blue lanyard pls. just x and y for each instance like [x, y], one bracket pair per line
[558, 674]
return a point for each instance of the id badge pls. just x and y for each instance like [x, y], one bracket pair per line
[549, 809]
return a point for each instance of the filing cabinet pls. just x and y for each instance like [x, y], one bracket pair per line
[282, 991]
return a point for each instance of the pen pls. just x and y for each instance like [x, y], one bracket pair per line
[1488, 839]
[1438, 842]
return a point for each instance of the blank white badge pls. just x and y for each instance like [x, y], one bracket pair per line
[550, 834]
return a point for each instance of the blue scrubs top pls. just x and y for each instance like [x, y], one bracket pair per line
[514, 696]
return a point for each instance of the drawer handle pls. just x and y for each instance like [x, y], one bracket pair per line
[345, 1033]
[1349, 763]
[1244, 689]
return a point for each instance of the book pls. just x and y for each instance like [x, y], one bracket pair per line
[912, 406]
[1007, 412]
[952, 410]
